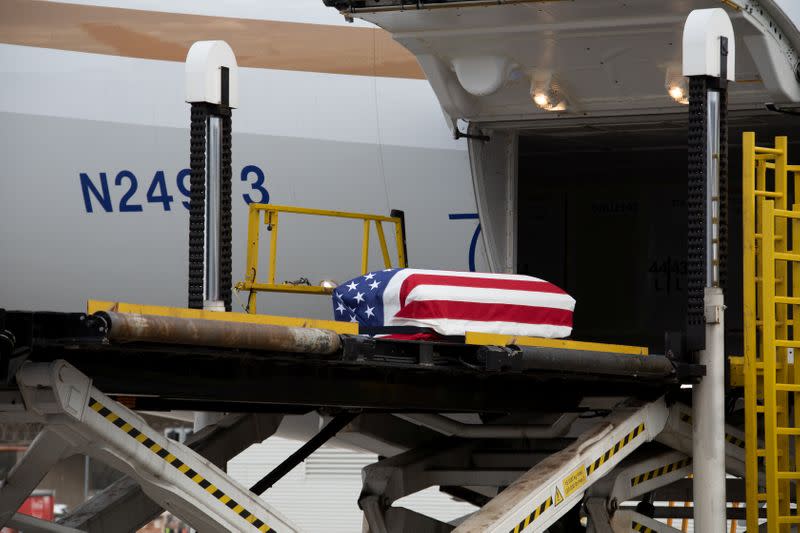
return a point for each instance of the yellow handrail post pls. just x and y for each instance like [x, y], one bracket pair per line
[781, 316]
[685, 521]
[253, 227]
[769, 354]
[387, 261]
[749, 304]
[365, 248]
[771, 318]
[401, 253]
[272, 225]
[795, 320]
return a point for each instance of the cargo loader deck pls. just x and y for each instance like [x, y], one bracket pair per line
[362, 373]
[536, 398]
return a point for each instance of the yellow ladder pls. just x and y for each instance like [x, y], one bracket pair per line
[771, 304]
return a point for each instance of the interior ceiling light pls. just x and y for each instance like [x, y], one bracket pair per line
[678, 93]
[546, 97]
[676, 86]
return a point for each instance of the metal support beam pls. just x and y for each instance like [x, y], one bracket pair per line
[447, 462]
[402, 520]
[599, 520]
[329, 431]
[549, 490]
[708, 442]
[211, 294]
[453, 428]
[46, 450]
[678, 434]
[29, 524]
[709, 61]
[630, 521]
[123, 506]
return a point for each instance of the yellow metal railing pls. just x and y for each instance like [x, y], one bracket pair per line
[771, 305]
[270, 214]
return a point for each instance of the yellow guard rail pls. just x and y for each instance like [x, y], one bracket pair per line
[771, 232]
[271, 221]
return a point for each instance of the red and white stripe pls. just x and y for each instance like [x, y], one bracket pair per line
[453, 303]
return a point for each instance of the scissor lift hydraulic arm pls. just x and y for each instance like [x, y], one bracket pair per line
[79, 418]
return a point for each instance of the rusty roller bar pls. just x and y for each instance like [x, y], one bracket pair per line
[130, 327]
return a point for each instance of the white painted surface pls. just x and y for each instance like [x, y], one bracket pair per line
[701, 43]
[203, 74]
[321, 494]
[309, 105]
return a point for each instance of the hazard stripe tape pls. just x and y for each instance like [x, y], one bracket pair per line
[544, 506]
[636, 526]
[179, 465]
[736, 441]
[658, 472]
[627, 439]
[611, 452]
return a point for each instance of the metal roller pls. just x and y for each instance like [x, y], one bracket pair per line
[130, 327]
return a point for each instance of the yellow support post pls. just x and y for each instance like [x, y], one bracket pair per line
[387, 261]
[781, 330]
[769, 353]
[749, 304]
[399, 239]
[365, 249]
[251, 268]
[795, 316]
[771, 311]
[796, 308]
[272, 221]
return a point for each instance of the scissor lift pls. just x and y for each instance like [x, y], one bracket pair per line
[401, 384]
[79, 419]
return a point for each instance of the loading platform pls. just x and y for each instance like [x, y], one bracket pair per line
[579, 411]
[361, 373]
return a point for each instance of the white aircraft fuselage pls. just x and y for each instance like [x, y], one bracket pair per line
[93, 191]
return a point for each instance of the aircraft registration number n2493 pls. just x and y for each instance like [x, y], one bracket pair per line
[97, 190]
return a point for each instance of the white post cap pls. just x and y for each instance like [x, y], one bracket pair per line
[203, 74]
[701, 35]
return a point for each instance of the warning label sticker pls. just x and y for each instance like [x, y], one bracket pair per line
[574, 481]
[559, 497]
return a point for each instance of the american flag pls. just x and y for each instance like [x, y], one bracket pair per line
[452, 303]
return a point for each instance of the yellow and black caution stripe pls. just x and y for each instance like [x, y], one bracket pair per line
[658, 472]
[611, 452]
[178, 465]
[545, 505]
[736, 441]
[636, 526]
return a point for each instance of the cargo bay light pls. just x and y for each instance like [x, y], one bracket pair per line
[605, 445]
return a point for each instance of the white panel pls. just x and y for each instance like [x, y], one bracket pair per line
[494, 174]
[701, 43]
[322, 493]
[41, 81]
[203, 73]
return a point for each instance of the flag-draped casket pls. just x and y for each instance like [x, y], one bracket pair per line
[453, 303]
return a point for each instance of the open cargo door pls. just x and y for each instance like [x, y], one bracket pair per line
[506, 65]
